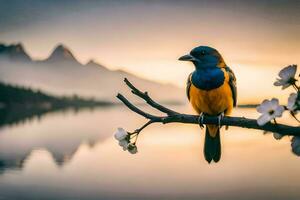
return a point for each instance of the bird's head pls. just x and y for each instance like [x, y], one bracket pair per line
[204, 57]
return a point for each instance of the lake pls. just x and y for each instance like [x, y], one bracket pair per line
[73, 155]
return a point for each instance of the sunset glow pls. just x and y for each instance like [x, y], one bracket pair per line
[147, 38]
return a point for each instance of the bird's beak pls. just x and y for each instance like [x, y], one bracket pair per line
[187, 57]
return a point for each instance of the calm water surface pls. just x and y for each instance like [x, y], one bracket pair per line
[74, 156]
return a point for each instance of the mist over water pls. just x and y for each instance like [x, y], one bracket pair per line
[73, 155]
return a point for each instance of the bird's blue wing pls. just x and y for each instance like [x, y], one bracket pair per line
[232, 83]
[188, 86]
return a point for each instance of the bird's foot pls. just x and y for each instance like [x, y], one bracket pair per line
[220, 117]
[200, 120]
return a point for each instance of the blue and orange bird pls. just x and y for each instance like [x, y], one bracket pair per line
[211, 89]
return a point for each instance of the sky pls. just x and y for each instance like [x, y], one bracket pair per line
[256, 38]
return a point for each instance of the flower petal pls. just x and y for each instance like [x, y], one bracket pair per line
[279, 82]
[288, 72]
[292, 101]
[121, 134]
[124, 144]
[278, 111]
[263, 119]
[286, 85]
[264, 107]
[274, 103]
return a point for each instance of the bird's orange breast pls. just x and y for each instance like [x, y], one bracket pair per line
[212, 102]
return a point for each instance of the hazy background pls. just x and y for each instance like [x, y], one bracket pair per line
[55, 147]
[256, 38]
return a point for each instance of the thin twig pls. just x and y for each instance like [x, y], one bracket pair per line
[137, 131]
[294, 116]
[148, 99]
[134, 108]
[144, 126]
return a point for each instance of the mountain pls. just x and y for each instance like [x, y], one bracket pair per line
[61, 54]
[62, 74]
[14, 52]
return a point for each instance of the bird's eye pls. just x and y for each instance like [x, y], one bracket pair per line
[202, 53]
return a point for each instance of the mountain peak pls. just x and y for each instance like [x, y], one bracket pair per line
[92, 63]
[14, 52]
[61, 53]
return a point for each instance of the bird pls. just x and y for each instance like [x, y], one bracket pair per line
[212, 91]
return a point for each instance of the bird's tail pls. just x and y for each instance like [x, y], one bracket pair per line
[212, 145]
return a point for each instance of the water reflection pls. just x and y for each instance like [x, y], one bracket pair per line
[60, 133]
[23, 115]
[73, 156]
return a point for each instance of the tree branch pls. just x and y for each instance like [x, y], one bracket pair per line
[175, 117]
[148, 99]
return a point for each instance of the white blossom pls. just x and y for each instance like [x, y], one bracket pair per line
[293, 102]
[296, 145]
[286, 76]
[124, 144]
[269, 110]
[121, 134]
